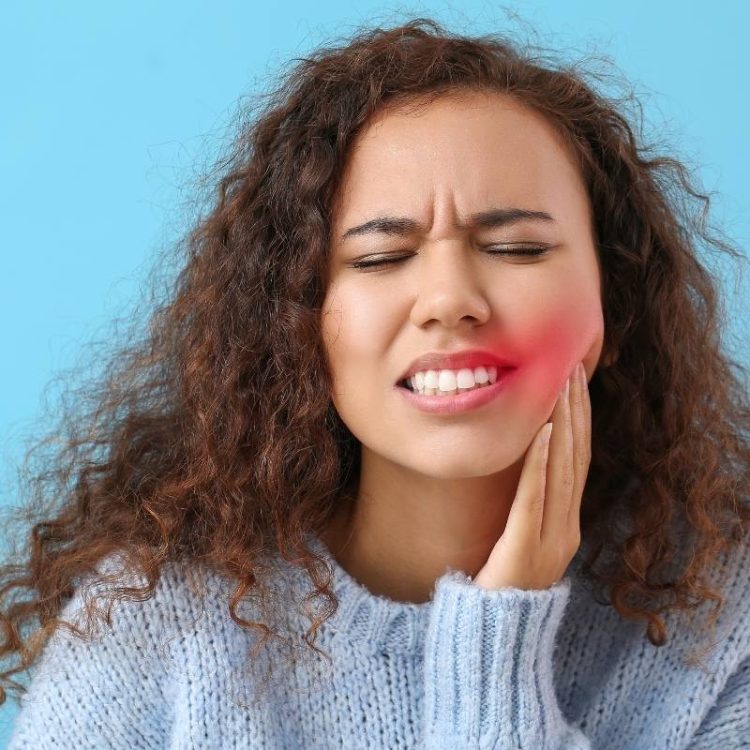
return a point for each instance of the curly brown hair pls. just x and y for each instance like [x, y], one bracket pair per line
[212, 440]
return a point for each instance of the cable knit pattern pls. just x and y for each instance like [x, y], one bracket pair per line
[468, 669]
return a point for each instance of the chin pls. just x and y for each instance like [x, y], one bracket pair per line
[460, 467]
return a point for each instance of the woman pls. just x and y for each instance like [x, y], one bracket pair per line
[424, 249]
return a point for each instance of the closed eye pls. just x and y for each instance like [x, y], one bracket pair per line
[491, 249]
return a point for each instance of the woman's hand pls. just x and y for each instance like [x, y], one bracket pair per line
[542, 534]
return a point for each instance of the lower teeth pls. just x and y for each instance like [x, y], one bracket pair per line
[438, 392]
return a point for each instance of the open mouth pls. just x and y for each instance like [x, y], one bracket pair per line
[457, 402]
[404, 383]
[475, 387]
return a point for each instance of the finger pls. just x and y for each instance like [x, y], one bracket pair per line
[579, 448]
[587, 413]
[584, 451]
[525, 518]
[560, 473]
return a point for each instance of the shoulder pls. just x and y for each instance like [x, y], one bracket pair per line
[116, 660]
[694, 639]
[187, 597]
[711, 633]
[115, 605]
[730, 579]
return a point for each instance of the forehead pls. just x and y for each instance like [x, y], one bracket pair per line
[478, 147]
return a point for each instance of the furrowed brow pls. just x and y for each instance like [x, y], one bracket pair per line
[402, 225]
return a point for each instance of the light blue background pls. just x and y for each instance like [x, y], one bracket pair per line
[108, 111]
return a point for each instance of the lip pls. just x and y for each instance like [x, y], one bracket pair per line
[461, 402]
[455, 361]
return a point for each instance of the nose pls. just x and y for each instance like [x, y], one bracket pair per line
[450, 285]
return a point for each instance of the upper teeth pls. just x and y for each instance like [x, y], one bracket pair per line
[449, 380]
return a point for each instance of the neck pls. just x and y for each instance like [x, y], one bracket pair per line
[400, 536]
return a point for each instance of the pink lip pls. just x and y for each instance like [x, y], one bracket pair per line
[461, 402]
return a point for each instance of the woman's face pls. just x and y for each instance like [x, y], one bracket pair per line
[461, 156]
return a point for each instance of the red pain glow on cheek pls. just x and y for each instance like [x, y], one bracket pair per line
[549, 354]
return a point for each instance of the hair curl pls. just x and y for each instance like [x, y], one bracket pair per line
[213, 440]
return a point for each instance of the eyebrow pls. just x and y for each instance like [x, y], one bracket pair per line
[401, 225]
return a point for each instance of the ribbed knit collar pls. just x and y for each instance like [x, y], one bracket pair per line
[374, 623]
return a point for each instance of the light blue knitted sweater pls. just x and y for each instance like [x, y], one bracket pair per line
[468, 669]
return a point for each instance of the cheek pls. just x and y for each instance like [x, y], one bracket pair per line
[355, 330]
[560, 333]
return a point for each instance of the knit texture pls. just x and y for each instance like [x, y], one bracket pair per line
[470, 668]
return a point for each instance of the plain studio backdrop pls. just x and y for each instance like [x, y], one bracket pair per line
[109, 113]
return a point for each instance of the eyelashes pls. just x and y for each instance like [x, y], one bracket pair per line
[531, 251]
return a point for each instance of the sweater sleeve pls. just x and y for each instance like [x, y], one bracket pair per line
[727, 723]
[107, 691]
[488, 679]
